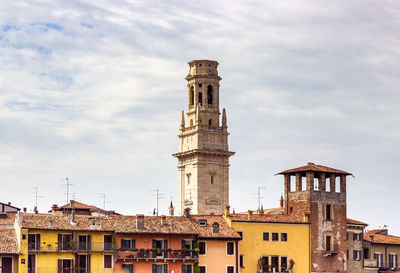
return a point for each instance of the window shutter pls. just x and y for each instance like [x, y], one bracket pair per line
[59, 266]
[154, 268]
[37, 246]
[165, 268]
[76, 260]
[88, 263]
[354, 255]
[154, 245]
[59, 241]
[183, 268]
[396, 262]
[89, 242]
[165, 249]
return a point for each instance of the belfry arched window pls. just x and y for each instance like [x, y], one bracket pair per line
[191, 96]
[209, 94]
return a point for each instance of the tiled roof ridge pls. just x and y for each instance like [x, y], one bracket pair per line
[314, 167]
[352, 221]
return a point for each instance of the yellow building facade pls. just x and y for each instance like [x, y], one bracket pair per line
[51, 243]
[272, 242]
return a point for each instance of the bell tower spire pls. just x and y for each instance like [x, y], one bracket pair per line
[203, 156]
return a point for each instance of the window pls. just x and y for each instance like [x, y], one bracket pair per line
[200, 85]
[357, 237]
[265, 236]
[107, 261]
[160, 268]
[275, 236]
[240, 234]
[33, 241]
[356, 255]
[65, 265]
[209, 122]
[186, 268]
[328, 212]
[209, 94]
[393, 262]
[215, 227]
[266, 263]
[186, 244]
[275, 263]
[230, 269]
[283, 263]
[64, 241]
[366, 253]
[241, 262]
[202, 269]
[188, 178]
[83, 263]
[212, 179]
[200, 98]
[158, 247]
[202, 248]
[128, 244]
[127, 268]
[291, 210]
[284, 237]
[31, 263]
[23, 237]
[84, 242]
[202, 223]
[379, 258]
[328, 243]
[230, 248]
[108, 245]
[191, 95]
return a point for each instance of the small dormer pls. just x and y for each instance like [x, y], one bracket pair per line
[202, 222]
[215, 227]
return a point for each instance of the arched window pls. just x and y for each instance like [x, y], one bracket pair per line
[209, 94]
[200, 98]
[191, 95]
[209, 122]
[191, 123]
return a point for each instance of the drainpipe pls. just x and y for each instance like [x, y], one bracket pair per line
[237, 255]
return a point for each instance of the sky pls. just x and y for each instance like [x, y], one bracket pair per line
[93, 91]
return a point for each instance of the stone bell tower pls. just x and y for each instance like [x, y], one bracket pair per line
[203, 157]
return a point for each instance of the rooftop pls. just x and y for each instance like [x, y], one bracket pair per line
[311, 167]
[206, 232]
[268, 218]
[375, 236]
[355, 222]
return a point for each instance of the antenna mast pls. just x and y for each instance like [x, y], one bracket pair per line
[36, 196]
[158, 197]
[68, 185]
[259, 197]
[103, 196]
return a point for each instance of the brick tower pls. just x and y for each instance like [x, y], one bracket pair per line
[203, 157]
[319, 193]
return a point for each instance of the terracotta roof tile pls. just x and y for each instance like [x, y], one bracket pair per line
[61, 222]
[355, 222]
[8, 242]
[382, 239]
[267, 218]
[77, 205]
[225, 231]
[315, 168]
[152, 225]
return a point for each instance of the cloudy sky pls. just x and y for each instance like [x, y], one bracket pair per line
[92, 91]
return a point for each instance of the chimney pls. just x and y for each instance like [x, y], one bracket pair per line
[9, 203]
[227, 210]
[163, 220]
[24, 210]
[171, 209]
[35, 210]
[73, 222]
[371, 238]
[186, 212]
[281, 201]
[305, 217]
[50, 223]
[140, 221]
[249, 215]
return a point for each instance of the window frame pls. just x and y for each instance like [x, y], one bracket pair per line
[233, 248]
[228, 266]
[205, 248]
[104, 261]
[267, 235]
[286, 238]
[277, 236]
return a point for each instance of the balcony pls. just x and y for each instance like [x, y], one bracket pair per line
[370, 263]
[168, 254]
[71, 247]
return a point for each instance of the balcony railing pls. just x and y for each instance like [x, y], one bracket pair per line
[72, 246]
[370, 263]
[157, 254]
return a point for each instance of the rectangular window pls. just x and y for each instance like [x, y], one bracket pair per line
[108, 242]
[265, 236]
[160, 268]
[275, 263]
[356, 255]
[66, 265]
[64, 241]
[33, 241]
[284, 237]
[107, 261]
[357, 236]
[127, 268]
[240, 234]
[186, 244]
[328, 243]
[202, 269]
[283, 263]
[230, 248]
[31, 263]
[241, 261]
[230, 269]
[202, 248]
[328, 212]
[186, 268]
[128, 244]
[84, 242]
[275, 236]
